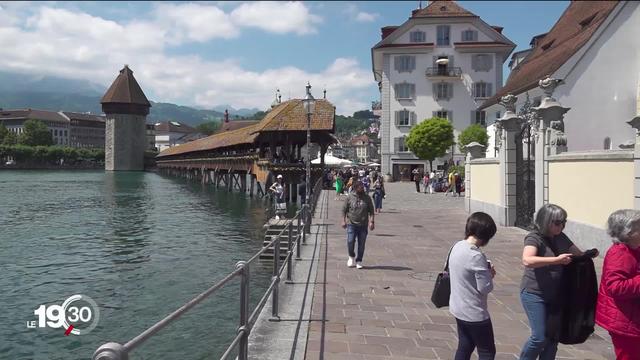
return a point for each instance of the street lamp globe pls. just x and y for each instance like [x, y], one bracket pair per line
[309, 101]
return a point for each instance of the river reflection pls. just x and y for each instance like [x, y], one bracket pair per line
[139, 244]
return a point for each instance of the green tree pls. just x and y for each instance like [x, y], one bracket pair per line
[10, 139]
[350, 126]
[3, 132]
[35, 133]
[475, 132]
[431, 139]
[208, 127]
[258, 116]
[363, 114]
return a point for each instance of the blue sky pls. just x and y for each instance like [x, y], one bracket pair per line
[210, 53]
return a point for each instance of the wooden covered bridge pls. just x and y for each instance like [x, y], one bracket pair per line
[247, 156]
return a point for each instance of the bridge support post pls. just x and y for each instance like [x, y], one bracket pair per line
[253, 181]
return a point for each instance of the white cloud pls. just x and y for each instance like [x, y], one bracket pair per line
[195, 22]
[277, 17]
[366, 17]
[352, 11]
[74, 44]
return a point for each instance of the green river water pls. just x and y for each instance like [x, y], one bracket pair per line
[139, 244]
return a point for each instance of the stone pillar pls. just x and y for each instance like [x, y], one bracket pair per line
[474, 150]
[510, 124]
[635, 123]
[548, 130]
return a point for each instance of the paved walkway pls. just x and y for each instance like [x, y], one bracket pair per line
[384, 311]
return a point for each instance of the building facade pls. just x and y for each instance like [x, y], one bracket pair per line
[78, 130]
[172, 133]
[593, 49]
[443, 61]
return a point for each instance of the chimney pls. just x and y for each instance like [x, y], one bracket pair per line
[387, 30]
[226, 115]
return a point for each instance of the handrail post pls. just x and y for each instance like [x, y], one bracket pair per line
[304, 224]
[275, 279]
[298, 235]
[111, 351]
[243, 350]
[289, 252]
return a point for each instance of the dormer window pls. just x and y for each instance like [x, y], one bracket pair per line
[584, 23]
[548, 45]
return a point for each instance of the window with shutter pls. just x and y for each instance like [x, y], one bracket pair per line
[404, 63]
[403, 117]
[469, 35]
[443, 114]
[443, 35]
[442, 91]
[417, 36]
[396, 145]
[482, 89]
[478, 117]
[405, 91]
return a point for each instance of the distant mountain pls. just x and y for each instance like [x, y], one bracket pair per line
[10, 82]
[56, 94]
[233, 111]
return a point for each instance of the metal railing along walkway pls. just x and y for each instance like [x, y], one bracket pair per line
[117, 351]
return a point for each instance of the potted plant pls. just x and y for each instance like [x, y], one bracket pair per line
[388, 177]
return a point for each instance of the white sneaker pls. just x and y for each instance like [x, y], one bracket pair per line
[277, 217]
[359, 265]
[351, 261]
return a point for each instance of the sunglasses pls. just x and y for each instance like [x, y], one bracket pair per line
[559, 222]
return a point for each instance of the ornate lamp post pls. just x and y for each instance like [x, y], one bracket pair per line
[309, 104]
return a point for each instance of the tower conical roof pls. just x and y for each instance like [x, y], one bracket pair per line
[125, 95]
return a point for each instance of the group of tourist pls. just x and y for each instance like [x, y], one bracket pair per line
[432, 182]
[546, 257]
[344, 183]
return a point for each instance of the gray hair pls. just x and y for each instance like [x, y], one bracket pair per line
[547, 214]
[622, 223]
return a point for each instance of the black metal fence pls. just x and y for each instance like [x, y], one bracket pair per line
[117, 351]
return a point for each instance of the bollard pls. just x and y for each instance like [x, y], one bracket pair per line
[289, 252]
[243, 347]
[298, 239]
[275, 279]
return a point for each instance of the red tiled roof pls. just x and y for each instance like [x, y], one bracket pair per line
[442, 9]
[235, 125]
[287, 116]
[569, 34]
[290, 115]
[83, 116]
[125, 90]
[174, 126]
[215, 141]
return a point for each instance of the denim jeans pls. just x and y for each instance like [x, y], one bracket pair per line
[475, 334]
[359, 233]
[538, 346]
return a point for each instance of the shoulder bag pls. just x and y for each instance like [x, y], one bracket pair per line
[442, 288]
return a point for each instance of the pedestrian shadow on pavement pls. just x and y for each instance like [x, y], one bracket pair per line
[387, 267]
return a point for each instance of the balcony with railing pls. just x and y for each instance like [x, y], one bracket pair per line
[447, 72]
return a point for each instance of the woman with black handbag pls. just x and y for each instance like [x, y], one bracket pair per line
[471, 276]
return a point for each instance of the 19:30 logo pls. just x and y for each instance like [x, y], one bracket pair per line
[79, 319]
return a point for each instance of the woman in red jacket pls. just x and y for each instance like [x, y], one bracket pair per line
[618, 309]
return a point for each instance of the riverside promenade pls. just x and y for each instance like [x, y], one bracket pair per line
[384, 311]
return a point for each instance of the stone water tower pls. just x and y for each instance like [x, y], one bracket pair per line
[126, 108]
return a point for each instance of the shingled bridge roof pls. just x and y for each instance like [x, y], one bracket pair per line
[288, 116]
